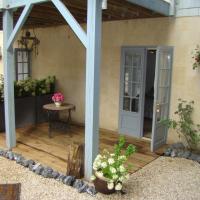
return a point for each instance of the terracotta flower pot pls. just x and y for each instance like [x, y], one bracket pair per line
[102, 186]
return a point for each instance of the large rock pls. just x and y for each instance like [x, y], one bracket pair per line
[195, 157]
[168, 152]
[174, 153]
[25, 163]
[16, 156]
[78, 184]
[69, 180]
[61, 178]
[39, 169]
[55, 174]
[91, 191]
[47, 172]
[10, 155]
[186, 154]
[20, 159]
[1, 152]
[83, 188]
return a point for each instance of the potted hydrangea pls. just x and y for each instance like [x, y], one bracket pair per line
[109, 170]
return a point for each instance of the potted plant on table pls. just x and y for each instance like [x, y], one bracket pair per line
[58, 99]
[109, 169]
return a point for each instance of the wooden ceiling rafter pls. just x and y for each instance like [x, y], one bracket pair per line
[45, 14]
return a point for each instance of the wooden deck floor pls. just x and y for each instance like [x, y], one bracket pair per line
[34, 143]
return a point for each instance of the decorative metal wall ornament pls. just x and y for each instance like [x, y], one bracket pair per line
[29, 42]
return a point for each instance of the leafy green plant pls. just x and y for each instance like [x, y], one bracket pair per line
[45, 86]
[184, 124]
[30, 87]
[110, 166]
[196, 57]
[24, 88]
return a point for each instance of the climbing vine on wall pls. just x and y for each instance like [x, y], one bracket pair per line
[196, 57]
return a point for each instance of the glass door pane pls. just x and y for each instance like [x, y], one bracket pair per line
[132, 82]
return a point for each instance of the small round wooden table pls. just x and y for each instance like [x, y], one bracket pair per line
[53, 115]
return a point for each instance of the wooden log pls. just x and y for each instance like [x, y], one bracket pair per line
[75, 160]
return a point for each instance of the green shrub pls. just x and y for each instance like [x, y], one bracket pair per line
[30, 87]
[184, 124]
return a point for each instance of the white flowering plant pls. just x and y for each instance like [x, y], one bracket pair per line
[110, 166]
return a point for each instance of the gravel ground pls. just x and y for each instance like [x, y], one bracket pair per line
[163, 179]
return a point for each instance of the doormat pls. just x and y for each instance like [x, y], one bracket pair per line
[10, 191]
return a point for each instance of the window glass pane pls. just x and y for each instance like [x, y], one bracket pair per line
[126, 105]
[128, 60]
[127, 88]
[136, 75]
[137, 60]
[20, 77]
[135, 90]
[135, 105]
[163, 95]
[164, 78]
[20, 68]
[25, 67]
[161, 112]
[127, 74]
[25, 56]
[19, 56]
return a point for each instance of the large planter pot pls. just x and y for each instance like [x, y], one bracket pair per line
[101, 186]
[25, 111]
[40, 113]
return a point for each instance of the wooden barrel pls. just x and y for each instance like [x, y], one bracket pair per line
[75, 160]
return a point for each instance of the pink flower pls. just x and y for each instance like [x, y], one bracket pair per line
[58, 97]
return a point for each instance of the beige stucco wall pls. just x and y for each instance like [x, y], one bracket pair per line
[61, 54]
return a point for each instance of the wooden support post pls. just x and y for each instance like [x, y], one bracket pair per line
[94, 22]
[8, 59]
[19, 25]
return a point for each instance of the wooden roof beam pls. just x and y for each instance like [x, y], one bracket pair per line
[158, 6]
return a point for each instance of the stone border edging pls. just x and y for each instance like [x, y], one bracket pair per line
[180, 151]
[48, 172]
